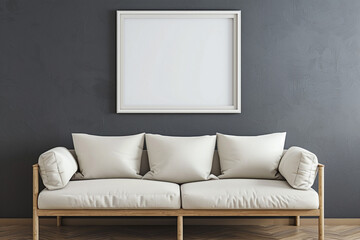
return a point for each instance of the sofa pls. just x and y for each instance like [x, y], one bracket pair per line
[179, 177]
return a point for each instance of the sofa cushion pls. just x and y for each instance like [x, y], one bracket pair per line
[112, 193]
[246, 194]
[109, 157]
[250, 157]
[57, 166]
[299, 166]
[180, 159]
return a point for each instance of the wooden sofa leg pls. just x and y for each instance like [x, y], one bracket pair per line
[35, 227]
[180, 226]
[58, 221]
[321, 202]
[297, 221]
[321, 227]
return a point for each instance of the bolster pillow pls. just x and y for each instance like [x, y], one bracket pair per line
[57, 166]
[299, 167]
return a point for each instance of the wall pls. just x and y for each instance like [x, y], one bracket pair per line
[300, 74]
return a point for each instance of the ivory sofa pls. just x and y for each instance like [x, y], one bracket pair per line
[69, 194]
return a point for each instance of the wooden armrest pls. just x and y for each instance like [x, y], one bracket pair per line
[321, 187]
[35, 184]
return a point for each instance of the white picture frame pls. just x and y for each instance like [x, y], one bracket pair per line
[178, 62]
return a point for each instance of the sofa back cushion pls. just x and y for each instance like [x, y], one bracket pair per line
[144, 166]
[109, 157]
[57, 166]
[250, 156]
[179, 159]
[299, 167]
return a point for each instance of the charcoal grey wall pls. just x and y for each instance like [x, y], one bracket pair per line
[300, 74]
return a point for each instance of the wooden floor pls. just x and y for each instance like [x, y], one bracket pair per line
[18, 232]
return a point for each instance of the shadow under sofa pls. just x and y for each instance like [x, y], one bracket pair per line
[137, 197]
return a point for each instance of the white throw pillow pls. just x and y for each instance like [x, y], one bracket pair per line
[250, 156]
[109, 157]
[180, 159]
[57, 166]
[299, 167]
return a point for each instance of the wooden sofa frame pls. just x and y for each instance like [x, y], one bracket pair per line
[179, 213]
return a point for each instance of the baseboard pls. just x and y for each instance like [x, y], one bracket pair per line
[172, 221]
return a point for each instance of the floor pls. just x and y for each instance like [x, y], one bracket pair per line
[18, 232]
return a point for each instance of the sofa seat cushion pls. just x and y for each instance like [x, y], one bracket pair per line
[246, 194]
[112, 194]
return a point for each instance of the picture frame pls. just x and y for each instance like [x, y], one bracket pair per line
[178, 61]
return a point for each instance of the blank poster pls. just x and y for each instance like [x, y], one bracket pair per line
[177, 63]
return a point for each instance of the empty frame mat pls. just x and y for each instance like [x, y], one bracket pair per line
[178, 61]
